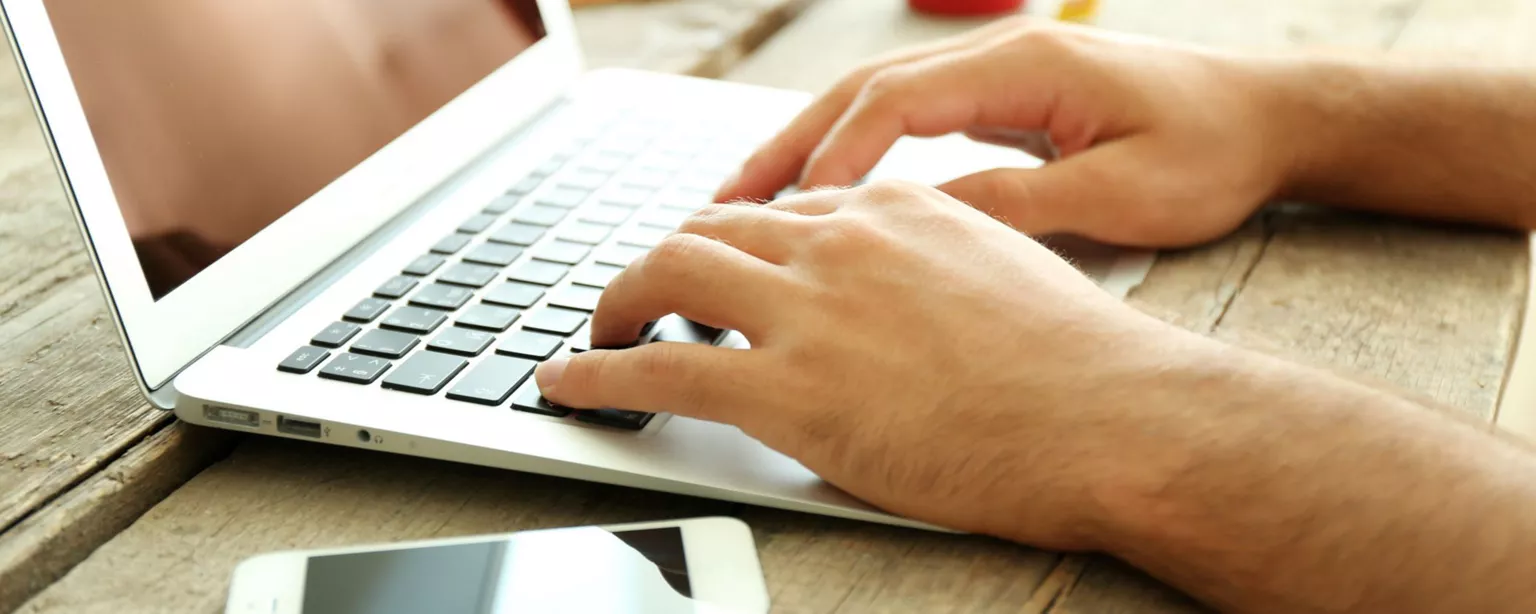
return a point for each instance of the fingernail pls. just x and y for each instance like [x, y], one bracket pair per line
[548, 374]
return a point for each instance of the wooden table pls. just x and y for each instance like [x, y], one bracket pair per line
[107, 505]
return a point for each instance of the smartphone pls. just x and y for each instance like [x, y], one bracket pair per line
[701, 565]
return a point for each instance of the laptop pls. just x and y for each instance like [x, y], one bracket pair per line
[364, 223]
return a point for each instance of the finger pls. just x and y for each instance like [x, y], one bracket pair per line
[703, 280]
[762, 231]
[817, 201]
[1087, 194]
[700, 381]
[931, 97]
[779, 162]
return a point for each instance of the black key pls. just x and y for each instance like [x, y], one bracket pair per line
[616, 418]
[462, 341]
[468, 275]
[620, 255]
[492, 381]
[517, 234]
[540, 215]
[605, 214]
[644, 237]
[525, 185]
[396, 287]
[477, 223]
[386, 343]
[451, 243]
[562, 251]
[539, 272]
[581, 341]
[488, 317]
[335, 335]
[494, 254]
[564, 197]
[502, 204]
[628, 197]
[577, 297]
[584, 179]
[554, 320]
[514, 294]
[423, 265]
[666, 218]
[366, 310]
[537, 346]
[583, 232]
[417, 320]
[425, 373]
[303, 359]
[355, 368]
[596, 275]
[528, 399]
[442, 296]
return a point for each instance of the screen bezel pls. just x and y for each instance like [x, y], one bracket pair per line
[723, 569]
[162, 337]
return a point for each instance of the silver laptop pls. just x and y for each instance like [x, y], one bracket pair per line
[364, 223]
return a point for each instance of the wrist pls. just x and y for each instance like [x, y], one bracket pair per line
[1308, 118]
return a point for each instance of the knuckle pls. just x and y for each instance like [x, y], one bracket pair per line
[707, 218]
[884, 91]
[584, 374]
[1044, 41]
[673, 255]
[840, 236]
[657, 361]
[893, 191]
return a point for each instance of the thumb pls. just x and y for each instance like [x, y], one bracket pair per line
[682, 378]
[1095, 194]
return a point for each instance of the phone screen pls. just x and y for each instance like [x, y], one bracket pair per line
[583, 569]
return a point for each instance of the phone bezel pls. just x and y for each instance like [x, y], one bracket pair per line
[723, 568]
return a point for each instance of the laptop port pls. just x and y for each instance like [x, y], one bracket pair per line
[303, 428]
[230, 415]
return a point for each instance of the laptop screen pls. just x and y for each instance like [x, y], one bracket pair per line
[214, 118]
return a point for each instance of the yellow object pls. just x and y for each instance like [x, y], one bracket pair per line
[1080, 11]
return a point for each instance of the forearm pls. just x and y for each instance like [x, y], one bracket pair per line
[1450, 143]
[1299, 491]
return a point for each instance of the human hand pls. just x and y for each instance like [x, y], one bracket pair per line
[1159, 145]
[909, 349]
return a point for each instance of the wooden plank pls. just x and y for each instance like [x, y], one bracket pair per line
[42, 547]
[703, 38]
[68, 404]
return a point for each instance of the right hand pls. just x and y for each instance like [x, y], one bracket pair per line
[1159, 145]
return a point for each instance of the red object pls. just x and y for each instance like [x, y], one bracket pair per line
[966, 8]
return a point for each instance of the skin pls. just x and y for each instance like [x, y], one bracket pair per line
[1024, 402]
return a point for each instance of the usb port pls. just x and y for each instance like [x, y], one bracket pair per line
[303, 428]
[230, 415]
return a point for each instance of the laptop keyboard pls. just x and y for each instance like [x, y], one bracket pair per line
[516, 284]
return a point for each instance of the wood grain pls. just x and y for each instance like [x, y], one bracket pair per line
[40, 548]
[81, 453]
[68, 404]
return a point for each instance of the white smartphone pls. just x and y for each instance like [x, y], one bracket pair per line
[700, 565]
